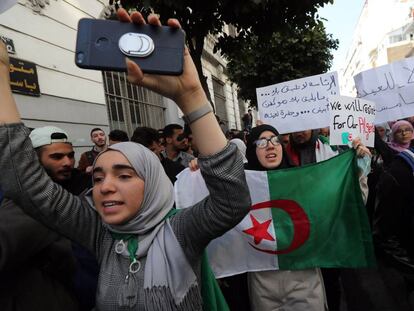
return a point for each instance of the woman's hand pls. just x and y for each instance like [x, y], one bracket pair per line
[361, 149]
[184, 89]
[193, 165]
[8, 109]
[4, 59]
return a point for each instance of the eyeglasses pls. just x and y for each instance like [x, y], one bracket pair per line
[263, 142]
[181, 137]
[403, 131]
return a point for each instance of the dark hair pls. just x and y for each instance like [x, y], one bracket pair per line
[234, 133]
[145, 136]
[95, 130]
[169, 129]
[187, 130]
[39, 151]
[118, 135]
[240, 135]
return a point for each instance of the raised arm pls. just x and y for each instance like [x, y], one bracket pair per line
[8, 111]
[185, 90]
[220, 163]
[24, 180]
[228, 202]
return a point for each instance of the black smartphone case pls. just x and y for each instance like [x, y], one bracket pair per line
[97, 47]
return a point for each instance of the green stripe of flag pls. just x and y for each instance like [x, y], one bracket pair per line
[330, 222]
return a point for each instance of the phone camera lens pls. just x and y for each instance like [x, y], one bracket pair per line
[79, 57]
[102, 43]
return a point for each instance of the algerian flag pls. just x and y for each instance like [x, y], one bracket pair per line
[6, 4]
[305, 217]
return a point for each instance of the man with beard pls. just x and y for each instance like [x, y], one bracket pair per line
[98, 138]
[176, 145]
[38, 269]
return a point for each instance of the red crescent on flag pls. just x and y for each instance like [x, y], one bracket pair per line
[301, 223]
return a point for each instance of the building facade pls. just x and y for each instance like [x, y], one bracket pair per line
[43, 33]
[384, 33]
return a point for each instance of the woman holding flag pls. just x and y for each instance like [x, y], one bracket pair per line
[287, 290]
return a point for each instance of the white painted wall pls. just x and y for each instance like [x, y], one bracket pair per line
[72, 98]
[214, 66]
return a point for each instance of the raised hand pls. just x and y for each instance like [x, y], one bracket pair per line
[8, 109]
[184, 89]
[361, 149]
[4, 57]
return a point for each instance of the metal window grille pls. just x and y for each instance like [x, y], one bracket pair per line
[130, 106]
[220, 100]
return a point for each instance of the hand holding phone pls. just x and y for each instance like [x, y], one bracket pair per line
[184, 89]
[104, 44]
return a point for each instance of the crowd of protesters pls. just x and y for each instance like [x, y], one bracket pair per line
[106, 236]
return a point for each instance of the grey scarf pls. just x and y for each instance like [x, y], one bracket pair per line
[169, 280]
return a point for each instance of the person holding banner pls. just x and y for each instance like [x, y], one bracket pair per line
[150, 258]
[287, 290]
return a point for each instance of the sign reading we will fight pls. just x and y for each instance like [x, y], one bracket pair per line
[351, 118]
[298, 105]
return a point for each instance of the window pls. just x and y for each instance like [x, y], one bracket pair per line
[396, 38]
[130, 106]
[220, 100]
[242, 110]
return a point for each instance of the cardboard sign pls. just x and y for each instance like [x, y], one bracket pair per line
[351, 118]
[391, 87]
[298, 105]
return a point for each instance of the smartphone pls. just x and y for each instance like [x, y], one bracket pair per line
[104, 44]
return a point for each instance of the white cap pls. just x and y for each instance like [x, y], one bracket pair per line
[48, 135]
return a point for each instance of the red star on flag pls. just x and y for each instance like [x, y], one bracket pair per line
[259, 230]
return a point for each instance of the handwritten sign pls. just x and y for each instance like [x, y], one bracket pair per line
[351, 118]
[298, 105]
[23, 77]
[391, 87]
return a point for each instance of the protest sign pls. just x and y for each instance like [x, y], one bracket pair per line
[351, 118]
[298, 105]
[391, 87]
[6, 4]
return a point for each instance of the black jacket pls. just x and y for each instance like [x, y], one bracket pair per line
[37, 266]
[394, 216]
[171, 168]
